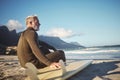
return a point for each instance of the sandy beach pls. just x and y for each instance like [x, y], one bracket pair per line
[10, 69]
[100, 70]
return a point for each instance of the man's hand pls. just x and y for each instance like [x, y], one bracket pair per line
[55, 65]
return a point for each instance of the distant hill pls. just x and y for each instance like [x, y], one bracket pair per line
[58, 43]
[106, 46]
[75, 43]
[110, 46]
[8, 38]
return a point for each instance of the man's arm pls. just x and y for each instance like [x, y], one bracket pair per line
[31, 37]
[44, 44]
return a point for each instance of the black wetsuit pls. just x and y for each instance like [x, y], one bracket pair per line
[30, 49]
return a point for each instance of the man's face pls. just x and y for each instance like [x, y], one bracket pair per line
[36, 24]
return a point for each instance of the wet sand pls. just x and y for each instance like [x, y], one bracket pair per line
[100, 70]
[10, 69]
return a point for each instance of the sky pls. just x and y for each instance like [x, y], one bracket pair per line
[88, 22]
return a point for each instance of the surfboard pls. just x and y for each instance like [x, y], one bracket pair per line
[66, 71]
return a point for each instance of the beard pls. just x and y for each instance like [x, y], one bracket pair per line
[36, 28]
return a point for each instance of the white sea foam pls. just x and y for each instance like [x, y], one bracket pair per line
[94, 53]
[85, 51]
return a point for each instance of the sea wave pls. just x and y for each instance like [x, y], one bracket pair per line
[92, 51]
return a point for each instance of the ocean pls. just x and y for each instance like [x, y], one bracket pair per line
[94, 53]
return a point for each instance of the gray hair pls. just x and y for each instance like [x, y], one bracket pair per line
[30, 18]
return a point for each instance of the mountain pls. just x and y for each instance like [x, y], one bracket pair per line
[8, 38]
[58, 43]
[107, 46]
[75, 43]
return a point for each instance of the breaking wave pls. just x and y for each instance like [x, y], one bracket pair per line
[94, 50]
[94, 53]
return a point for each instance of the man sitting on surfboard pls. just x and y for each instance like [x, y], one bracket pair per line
[30, 49]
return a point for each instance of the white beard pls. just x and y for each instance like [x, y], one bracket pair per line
[36, 28]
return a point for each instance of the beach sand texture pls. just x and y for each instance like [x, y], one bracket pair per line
[10, 69]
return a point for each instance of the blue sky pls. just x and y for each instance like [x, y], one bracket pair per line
[89, 22]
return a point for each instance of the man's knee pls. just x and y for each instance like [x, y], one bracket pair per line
[62, 55]
[60, 51]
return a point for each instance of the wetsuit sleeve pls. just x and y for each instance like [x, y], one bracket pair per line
[46, 45]
[31, 38]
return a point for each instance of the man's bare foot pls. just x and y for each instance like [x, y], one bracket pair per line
[62, 64]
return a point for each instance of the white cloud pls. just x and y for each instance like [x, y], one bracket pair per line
[14, 24]
[60, 32]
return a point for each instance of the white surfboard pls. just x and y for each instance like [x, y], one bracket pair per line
[62, 73]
